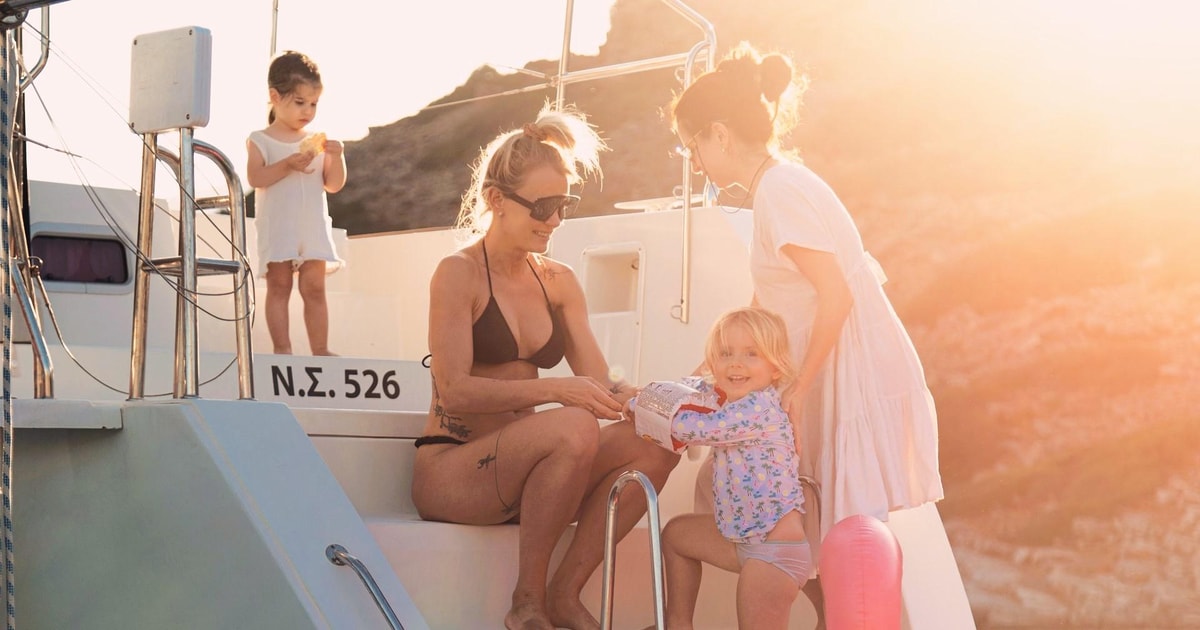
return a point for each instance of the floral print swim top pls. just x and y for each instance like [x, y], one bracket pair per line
[756, 475]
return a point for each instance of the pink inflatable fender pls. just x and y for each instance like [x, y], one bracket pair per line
[860, 575]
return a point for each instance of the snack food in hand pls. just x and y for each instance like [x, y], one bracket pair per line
[313, 144]
[656, 405]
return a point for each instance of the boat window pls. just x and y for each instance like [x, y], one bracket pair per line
[81, 259]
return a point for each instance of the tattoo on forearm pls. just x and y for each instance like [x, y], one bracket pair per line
[483, 463]
[452, 424]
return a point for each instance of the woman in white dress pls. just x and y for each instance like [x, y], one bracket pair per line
[867, 427]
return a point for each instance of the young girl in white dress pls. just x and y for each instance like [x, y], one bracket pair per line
[291, 171]
[867, 427]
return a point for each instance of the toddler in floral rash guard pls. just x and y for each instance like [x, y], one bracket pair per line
[756, 478]
[756, 530]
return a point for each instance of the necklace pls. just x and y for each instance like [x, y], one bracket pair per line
[750, 189]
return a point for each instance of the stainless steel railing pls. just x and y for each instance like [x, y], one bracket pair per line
[813, 486]
[338, 555]
[706, 47]
[187, 267]
[610, 549]
[23, 271]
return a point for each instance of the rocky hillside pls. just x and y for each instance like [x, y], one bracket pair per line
[1037, 213]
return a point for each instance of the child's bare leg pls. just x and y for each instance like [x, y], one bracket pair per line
[764, 596]
[620, 450]
[816, 595]
[279, 292]
[687, 541]
[316, 310]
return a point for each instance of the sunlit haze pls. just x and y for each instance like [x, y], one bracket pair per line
[1023, 170]
[1126, 69]
[380, 61]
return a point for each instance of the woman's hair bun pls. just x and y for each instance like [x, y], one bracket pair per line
[775, 75]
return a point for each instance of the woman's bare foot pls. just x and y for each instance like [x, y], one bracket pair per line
[527, 616]
[571, 613]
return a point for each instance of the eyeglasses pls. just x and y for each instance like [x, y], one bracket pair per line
[543, 208]
[685, 150]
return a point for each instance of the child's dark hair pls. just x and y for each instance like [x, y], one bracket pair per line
[289, 70]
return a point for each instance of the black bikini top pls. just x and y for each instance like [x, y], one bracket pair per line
[494, 341]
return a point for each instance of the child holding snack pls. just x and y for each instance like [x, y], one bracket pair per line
[291, 170]
[757, 529]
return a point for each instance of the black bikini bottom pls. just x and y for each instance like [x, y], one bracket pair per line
[436, 439]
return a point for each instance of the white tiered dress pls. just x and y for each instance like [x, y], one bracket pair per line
[869, 426]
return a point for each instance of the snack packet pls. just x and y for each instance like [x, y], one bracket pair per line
[656, 405]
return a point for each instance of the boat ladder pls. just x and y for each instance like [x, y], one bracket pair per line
[655, 531]
[610, 550]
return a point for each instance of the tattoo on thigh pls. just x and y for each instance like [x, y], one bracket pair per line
[453, 424]
[486, 462]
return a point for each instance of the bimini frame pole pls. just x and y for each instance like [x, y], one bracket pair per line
[705, 49]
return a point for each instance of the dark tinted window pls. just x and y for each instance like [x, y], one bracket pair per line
[81, 259]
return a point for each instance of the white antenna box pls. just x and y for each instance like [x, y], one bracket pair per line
[170, 82]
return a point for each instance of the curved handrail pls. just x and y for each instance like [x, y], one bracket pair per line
[235, 201]
[707, 46]
[24, 270]
[43, 381]
[565, 77]
[610, 551]
[241, 305]
[44, 36]
[338, 555]
[811, 482]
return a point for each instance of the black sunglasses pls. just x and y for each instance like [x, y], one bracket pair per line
[543, 208]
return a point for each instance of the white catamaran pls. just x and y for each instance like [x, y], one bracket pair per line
[163, 475]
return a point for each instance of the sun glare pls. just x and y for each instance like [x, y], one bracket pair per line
[380, 62]
[1122, 52]
[1124, 71]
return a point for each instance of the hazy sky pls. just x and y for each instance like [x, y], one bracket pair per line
[1134, 62]
[379, 61]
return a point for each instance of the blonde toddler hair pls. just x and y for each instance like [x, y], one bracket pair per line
[770, 337]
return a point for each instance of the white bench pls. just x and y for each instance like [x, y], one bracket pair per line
[462, 576]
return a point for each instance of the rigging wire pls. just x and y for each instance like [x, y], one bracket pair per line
[108, 100]
[101, 208]
[107, 216]
[474, 99]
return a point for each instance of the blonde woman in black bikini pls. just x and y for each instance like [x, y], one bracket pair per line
[500, 310]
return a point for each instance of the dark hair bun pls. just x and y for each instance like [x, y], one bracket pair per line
[740, 70]
[776, 76]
